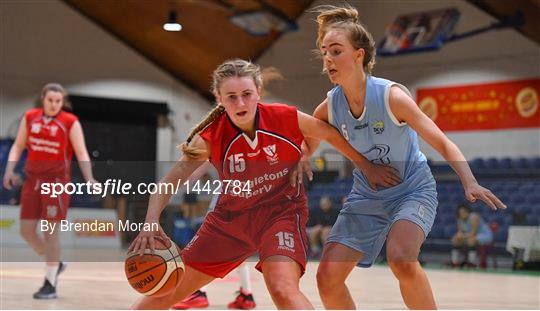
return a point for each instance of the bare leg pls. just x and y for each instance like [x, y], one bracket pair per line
[402, 249]
[336, 264]
[282, 277]
[190, 282]
[325, 232]
[28, 232]
[52, 247]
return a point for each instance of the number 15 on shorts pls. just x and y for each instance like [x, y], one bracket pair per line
[285, 240]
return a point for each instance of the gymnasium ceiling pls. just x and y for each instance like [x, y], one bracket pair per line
[206, 40]
[208, 37]
[502, 9]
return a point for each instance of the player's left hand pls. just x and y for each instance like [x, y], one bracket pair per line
[475, 192]
[303, 167]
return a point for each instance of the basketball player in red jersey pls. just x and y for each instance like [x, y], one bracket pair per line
[51, 135]
[258, 144]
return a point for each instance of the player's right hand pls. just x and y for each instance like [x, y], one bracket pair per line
[146, 239]
[381, 175]
[9, 180]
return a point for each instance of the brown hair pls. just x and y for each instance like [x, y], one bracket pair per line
[228, 69]
[334, 17]
[54, 87]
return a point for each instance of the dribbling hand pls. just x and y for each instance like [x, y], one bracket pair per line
[146, 238]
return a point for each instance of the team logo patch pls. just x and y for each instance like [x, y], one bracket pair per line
[36, 127]
[271, 154]
[53, 129]
[378, 127]
[52, 211]
[421, 211]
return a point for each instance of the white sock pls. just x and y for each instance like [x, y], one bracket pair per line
[245, 282]
[50, 273]
[456, 254]
[472, 256]
[203, 289]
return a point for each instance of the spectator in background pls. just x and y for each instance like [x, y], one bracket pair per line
[321, 220]
[472, 231]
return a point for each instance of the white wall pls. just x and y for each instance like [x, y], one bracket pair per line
[494, 56]
[44, 41]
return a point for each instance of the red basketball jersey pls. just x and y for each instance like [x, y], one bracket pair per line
[49, 148]
[264, 163]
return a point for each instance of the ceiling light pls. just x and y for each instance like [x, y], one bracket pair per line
[172, 24]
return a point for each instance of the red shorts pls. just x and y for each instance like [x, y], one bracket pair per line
[226, 239]
[35, 205]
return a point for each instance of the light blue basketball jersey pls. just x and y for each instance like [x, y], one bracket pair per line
[466, 226]
[382, 139]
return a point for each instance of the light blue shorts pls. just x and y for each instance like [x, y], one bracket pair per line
[364, 223]
[484, 238]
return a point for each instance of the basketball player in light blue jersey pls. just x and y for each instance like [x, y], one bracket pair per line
[381, 120]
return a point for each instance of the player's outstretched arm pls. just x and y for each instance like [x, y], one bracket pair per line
[405, 110]
[180, 172]
[15, 154]
[376, 174]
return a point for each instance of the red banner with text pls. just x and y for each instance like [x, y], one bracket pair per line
[501, 105]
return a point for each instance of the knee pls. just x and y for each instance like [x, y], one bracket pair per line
[28, 233]
[327, 280]
[49, 237]
[402, 264]
[282, 291]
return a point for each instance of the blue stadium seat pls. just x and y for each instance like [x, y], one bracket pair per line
[492, 163]
[505, 163]
[533, 219]
[502, 234]
[520, 163]
[448, 219]
[437, 232]
[534, 162]
[516, 199]
[533, 199]
[449, 231]
[478, 163]
[522, 209]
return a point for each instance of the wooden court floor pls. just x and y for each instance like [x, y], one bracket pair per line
[87, 285]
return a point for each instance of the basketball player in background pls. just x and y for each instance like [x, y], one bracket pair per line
[51, 136]
[257, 145]
[381, 120]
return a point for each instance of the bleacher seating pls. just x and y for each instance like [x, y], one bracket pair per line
[521, 195]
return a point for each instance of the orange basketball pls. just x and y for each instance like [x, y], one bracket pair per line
[155, 274]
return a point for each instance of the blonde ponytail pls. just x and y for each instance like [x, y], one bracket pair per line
[191, 151]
